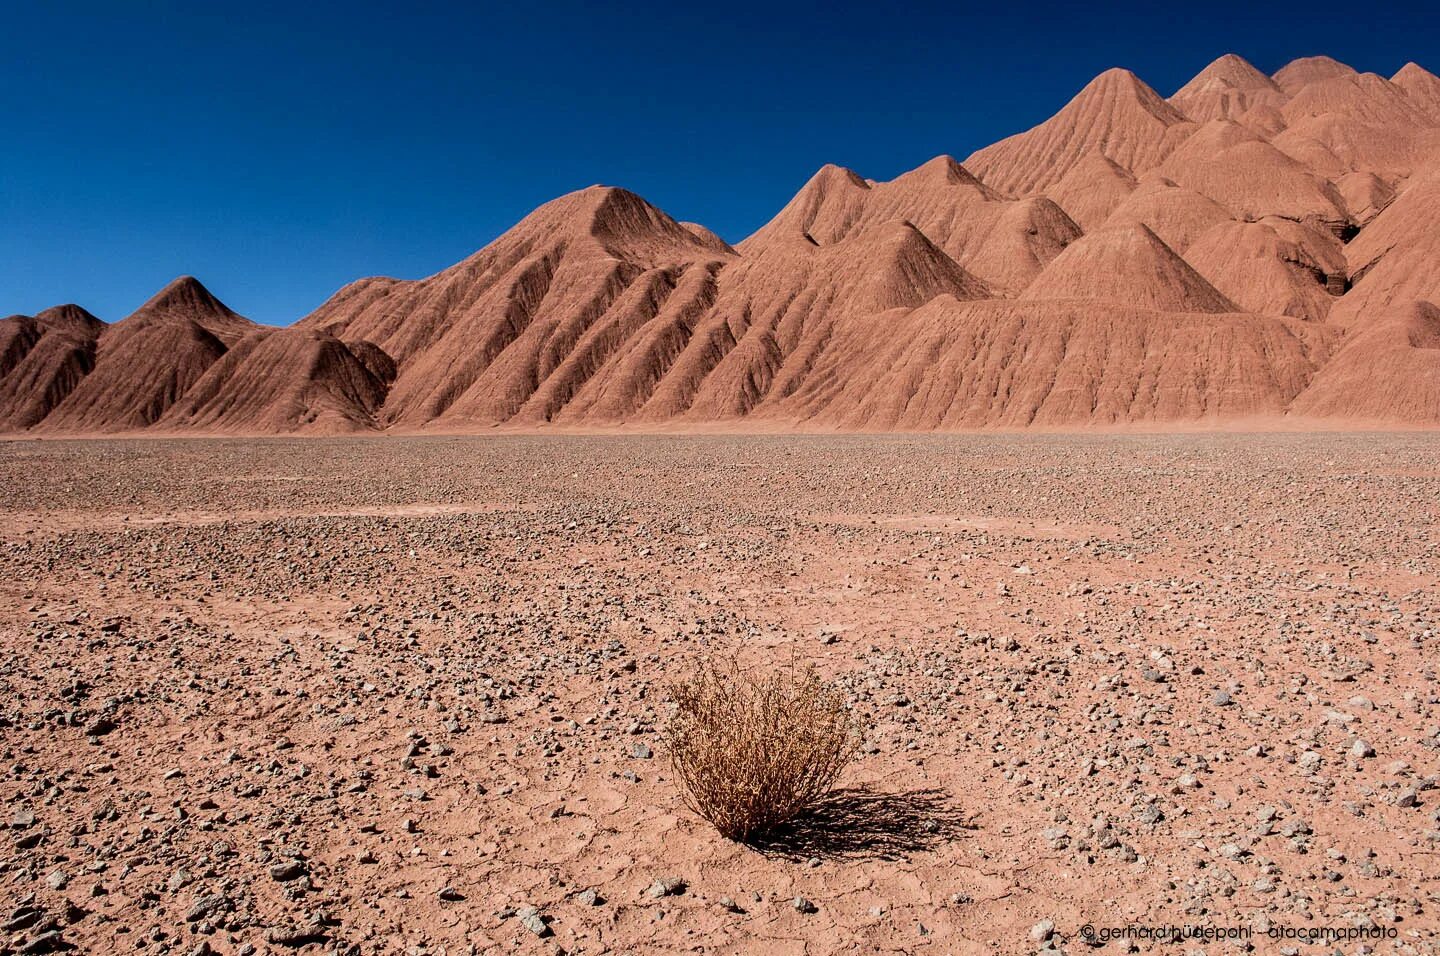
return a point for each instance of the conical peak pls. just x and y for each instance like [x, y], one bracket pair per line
[830, 176]
[71, 317]
[1421, 86]
[583, 205]
[896, 231]
[1120, 85]
[1310, 69]
[942, 170]
[618, 220]
[184, 296]
[1413, 72]
[1418, 83]
[898, 265]
[1117, 77]
[184, 286]
[1093, 165]
[619, 212]
[627, 224]
[1127, 263]
[1130, 234]
[1229, 72]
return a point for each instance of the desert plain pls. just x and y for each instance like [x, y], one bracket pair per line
[408, 694]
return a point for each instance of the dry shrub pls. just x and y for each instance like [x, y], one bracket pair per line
[753, 752]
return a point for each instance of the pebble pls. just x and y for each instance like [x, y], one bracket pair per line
[530, 918]
[666, 886]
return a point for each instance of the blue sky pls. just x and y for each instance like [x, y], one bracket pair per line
[278, 151]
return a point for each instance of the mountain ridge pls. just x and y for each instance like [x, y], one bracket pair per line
[1251, 246]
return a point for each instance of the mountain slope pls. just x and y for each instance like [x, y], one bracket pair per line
[482, 334]
[1227, 89]
[1127, 265]
[1003, 242]
[1254, 246]
[42, 359]
[1395, 260]
[282, 380]
[1387, 372]
[1272, 267]
[1116, 115]
[148, 360]
[953, 364]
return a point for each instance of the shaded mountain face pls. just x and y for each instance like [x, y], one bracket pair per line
[1250, 247]
[42, 359]
[145, 362]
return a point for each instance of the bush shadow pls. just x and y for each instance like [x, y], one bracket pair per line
[860, 823]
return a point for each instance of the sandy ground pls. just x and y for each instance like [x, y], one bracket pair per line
[387, 695]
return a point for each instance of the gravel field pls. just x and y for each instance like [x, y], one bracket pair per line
[406, 695]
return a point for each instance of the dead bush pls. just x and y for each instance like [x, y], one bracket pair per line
[753, 752]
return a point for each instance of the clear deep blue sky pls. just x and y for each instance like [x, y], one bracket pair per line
[279, 151]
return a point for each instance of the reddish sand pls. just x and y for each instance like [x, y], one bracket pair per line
[380, 695]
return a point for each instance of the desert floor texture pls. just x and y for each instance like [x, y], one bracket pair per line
[406, 695]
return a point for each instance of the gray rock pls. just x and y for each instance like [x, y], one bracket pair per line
[295, 934]
[287, 870]
[530, 918]
[206, 905]
[47, 942]
[666, 886]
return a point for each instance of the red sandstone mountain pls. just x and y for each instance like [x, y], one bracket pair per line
[1116, 116]
[1251, 247]
[1228, 88]
[1273, 267]
[1387, 372]
[285, 380]
[147, 361]
[1422, 86]
[42, 359]
[1127, 265]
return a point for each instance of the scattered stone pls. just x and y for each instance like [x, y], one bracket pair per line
[530, 918]
[287, 870]
[666, 886]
